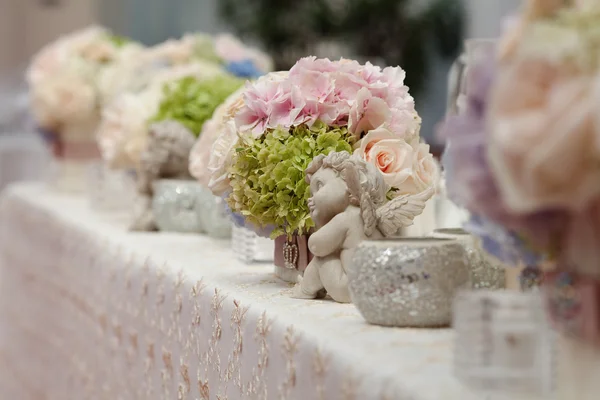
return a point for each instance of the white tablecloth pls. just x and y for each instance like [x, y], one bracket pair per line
[23, 157]
[89, 311]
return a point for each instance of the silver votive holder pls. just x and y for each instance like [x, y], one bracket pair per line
[483, 272]
[407, 282]
[213, 215]
[175, 205]
[504, 344]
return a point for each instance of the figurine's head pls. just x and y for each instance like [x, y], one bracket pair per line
[339, 180]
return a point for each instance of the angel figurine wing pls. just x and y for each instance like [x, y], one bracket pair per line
[400, 212]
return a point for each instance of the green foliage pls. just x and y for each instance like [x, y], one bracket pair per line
[374, 29]
[192, 102]
[268, 180]
[118, 41]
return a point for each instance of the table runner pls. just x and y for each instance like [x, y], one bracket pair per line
[90, 311]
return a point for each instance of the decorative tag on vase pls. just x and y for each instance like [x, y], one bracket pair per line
[503, 343]
[290, 255]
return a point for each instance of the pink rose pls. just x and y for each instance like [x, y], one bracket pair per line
[544, 136]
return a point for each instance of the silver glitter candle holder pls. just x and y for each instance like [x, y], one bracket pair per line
[176, 205]
[213, 215]
[483, 272]
[408, 282]
[503, 343]
[250, 248]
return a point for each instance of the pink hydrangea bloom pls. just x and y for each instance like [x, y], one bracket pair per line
[344, 92]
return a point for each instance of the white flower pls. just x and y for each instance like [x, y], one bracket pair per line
[63, 100]
[200, 155]
[123, 131]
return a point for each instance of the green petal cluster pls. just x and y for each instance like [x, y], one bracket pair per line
[118, 41]
[268, 176]
[192, 102]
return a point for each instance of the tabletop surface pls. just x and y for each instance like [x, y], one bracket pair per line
[416, 363]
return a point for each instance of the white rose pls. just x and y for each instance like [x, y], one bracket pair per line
[200, 155]
[123, 131]
[221, 159]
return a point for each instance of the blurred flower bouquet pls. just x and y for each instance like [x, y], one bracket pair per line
[274, 129]
[63, 80]
[156, 89]
[523, 157]
[152, 129]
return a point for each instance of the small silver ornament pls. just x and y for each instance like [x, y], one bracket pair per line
[175, 205]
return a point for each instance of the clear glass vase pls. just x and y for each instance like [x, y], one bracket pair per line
[110, 190]
[249, 247]
[504, 345]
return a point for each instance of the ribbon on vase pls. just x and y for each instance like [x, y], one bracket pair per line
[292, 253]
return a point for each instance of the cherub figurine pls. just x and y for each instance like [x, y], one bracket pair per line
[166, 156]
[348, 205]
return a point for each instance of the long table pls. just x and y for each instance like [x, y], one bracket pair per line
[91, 311]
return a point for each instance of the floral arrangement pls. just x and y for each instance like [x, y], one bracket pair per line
[63, 76]
[124, 127]
[284, 120]
[225, 50]
[183, 79]
[523, 157]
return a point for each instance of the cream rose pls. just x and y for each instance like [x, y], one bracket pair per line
[392, 156]
[543, 146]
[426, 169]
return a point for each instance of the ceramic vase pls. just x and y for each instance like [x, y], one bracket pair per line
[176, 205]
[407, 282]
[74, 149]
[484, 273]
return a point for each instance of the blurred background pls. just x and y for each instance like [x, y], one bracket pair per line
[422, 36]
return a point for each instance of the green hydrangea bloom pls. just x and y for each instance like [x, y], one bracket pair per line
[192, 102]
[118, 41]
[268, 177]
